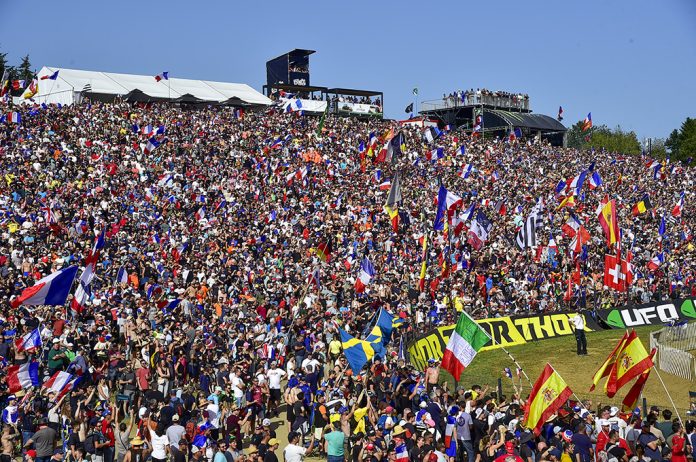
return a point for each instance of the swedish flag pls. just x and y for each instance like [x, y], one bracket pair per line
[358, 352]
[397, 321]
[384, 322]
[375, 339]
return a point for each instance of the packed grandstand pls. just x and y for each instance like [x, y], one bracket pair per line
[218, 253]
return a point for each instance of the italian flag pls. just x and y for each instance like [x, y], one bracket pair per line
[466, 340]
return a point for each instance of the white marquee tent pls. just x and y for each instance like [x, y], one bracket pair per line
[71, 84]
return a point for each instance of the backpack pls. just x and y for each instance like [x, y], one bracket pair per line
[89, 445]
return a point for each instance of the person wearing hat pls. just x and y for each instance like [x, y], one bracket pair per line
[44, 441]
[334, 443]
[270, 455]
[432, 374]
[135, 452]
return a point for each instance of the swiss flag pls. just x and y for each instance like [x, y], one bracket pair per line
[618, 273]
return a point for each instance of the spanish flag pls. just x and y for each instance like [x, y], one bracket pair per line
[605, 369]
[631, 361]
[642, 206]
[609, 222]
[567, 202]
[631, 400]
[549, 394]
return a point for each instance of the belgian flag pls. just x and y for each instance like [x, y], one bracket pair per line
[324, 251]
[642, 206]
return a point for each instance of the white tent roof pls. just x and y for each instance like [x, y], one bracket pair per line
[73, 80]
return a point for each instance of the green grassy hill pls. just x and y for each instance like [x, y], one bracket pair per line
[576, 370]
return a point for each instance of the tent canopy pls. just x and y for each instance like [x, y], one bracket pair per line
[71, 82]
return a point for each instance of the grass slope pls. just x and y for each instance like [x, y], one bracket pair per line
[576, 370]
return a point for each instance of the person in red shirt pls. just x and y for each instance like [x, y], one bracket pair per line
[602, 437]
[142, 375]
[107, 428]
[679, 444]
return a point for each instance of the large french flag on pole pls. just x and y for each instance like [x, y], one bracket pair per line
[23, 376]
[51, 290]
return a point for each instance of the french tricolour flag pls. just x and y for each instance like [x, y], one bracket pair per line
[402, 453]
[122, 276]
[162, 76]
[466, 171]
[367, 271]
[29, 342]
[152, 144]
[51, 290]
[294, 106]
[385, 186]
[23, 376]
[58, 382]
[14, 117]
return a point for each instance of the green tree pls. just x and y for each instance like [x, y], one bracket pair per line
[658, 148]
[24, 70]
[682, 142]
[603, 138]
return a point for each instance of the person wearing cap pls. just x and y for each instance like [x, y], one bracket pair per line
[270, 455]
[293, 452]
[616, 422]
[175, 432]
[432, 374]
[44, 441]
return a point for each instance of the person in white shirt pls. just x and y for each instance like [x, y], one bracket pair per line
[275, 374]
[579, 323]
[293, 452]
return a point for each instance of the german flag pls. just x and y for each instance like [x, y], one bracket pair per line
[324, 251]
[608, 220]
[549, 394]
[642, 206]
[631, 361]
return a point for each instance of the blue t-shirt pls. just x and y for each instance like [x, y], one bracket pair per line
[583, 444]
[643, 440]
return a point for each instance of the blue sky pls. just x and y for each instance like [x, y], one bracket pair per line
[632, 63]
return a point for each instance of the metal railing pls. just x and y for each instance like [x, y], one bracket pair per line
[502, 102]
[674, 344]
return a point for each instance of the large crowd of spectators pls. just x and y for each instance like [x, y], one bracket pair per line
[211, 310]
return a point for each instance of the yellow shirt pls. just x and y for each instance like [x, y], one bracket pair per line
[335, 346]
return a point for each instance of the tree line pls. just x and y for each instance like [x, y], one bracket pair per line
[680, 145]
[23, 71]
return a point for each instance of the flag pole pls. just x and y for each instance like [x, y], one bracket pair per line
[577, 398]
[511, 357]
[668, 394]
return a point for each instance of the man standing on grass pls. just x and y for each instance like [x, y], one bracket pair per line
[579, 323]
